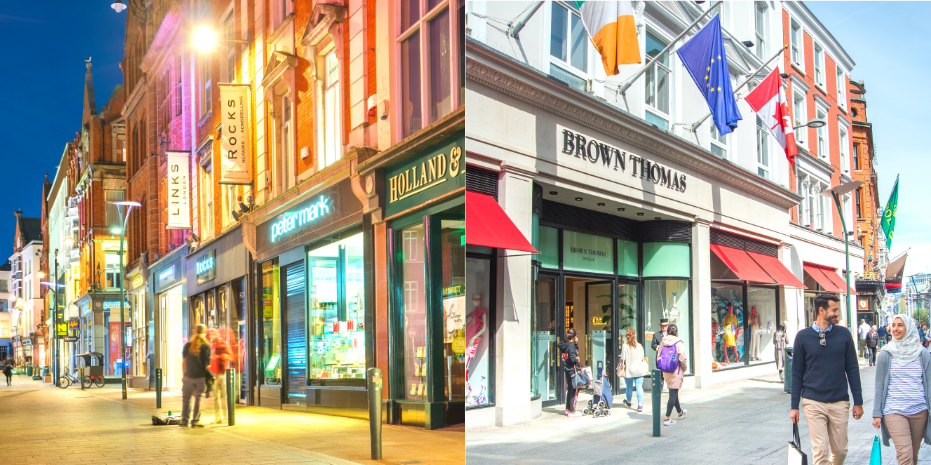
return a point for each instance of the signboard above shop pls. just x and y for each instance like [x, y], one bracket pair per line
[437, 170]
[206, 267]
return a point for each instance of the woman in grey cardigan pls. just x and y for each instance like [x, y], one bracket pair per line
[903, 391]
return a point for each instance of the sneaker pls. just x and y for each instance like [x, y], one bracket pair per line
[640, 408]
[682, 414]
[575, 414]
[627, 403]
[196, 424]
[567, 411]
[669, 422]
[183, 425]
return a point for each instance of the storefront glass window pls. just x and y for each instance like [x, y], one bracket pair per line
[337, 311]
[587, 252]
[412, 292]
[627, 258]
[271, 323]
[197, 312]
[667, 298]
[477, 355]
[666, 259]
[549, 247]
[544, 354]
[452, 234]
[762, 322]
[727, 319]
[140, 336]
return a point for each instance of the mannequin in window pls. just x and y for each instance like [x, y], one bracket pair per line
[476, 326]
[755, 334]
[730, 326]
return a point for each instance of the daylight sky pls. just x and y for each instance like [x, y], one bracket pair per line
[895, 71]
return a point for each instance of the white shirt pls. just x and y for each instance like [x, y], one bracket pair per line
[905, 395]
[864, 330]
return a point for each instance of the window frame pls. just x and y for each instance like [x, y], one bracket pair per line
[326, 132]
[206, 201]
[285, 143]
[800, 136]
[763, 166]
[843, 142]
[204, 86]
[229, 28]
[859, 198]
[667, 67]
[841, 88]
[566, 65]
[717, 141]
[760, 16]
[822, 135]
[856, 157]
[797, 49]
[421, 26]
[819, 56]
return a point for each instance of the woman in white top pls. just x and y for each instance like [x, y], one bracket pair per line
[633, 367]
[903, 391]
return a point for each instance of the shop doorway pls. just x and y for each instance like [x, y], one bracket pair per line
[296, 343]
[172, 337]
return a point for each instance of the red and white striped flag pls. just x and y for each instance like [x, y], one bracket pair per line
[769, 101]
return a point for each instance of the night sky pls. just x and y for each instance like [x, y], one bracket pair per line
[41, 91]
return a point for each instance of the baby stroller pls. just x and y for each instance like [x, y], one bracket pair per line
[600, 405]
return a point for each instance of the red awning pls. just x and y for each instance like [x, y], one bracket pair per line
[487, 225]
[822, 279]
[839, 281]
[741, 264]
[773, 267]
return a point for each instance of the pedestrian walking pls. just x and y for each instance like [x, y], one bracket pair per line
[882, 336]
[658, 339]
[569, 349]
[903, 391]
[218, 363]
[924, 334]
[632, 367]
[780, 342]
[673, 363]
[196, 355]
[863, 330]
[888, 334]
[872, 342]
[824, 363]
[8, 372]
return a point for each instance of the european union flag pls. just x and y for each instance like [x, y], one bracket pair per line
[706, 61]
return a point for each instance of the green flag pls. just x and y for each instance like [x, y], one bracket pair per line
[888, 223]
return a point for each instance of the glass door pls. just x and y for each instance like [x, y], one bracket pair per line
[599, 311]
[627, 318]
[545, 366]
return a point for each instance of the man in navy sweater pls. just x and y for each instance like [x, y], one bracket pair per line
[824, 362]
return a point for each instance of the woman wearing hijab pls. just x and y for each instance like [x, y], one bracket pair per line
[903, 391]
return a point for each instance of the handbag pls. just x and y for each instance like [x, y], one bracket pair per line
[876, 455]
[621, 366]
[580, 379]
[795, 454]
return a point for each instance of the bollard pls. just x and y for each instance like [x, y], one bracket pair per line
[230, 411]
[158, 388]
[82, 378]
[657, 378]
[373, 381]
[123, 382]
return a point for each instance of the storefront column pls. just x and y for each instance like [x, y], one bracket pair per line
[793, 303]
[512, 339]
[701, 302]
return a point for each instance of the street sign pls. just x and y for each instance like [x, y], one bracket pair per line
[70, 339]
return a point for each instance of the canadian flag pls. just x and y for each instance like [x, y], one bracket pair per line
[769, 101]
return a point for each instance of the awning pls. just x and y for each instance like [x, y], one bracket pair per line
[776, 270]
[487, 225]
[821, 278]
[741, 264]
[839, 281]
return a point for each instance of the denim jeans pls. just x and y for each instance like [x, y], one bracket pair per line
[191, 387]
[631, 382]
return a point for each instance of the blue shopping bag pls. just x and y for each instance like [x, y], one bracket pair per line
[876, 455]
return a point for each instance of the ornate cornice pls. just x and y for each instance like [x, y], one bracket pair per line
[500, 73]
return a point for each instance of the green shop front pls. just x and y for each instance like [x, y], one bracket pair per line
[423, 197]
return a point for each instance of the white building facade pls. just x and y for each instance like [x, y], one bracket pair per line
[636, 217]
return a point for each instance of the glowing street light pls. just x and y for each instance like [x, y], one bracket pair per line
[205, 39]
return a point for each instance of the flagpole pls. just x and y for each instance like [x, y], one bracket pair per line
[698, 123]
[630, 81]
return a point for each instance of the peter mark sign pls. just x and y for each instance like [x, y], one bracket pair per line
[609, 157]
[234, 145]
[179, 190]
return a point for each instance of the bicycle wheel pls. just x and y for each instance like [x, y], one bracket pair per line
[99, 382]
[87, 382]
[64, 382]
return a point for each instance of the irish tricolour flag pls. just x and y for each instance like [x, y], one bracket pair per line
[611, 27]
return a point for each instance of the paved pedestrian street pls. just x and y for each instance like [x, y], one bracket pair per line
[44, 424]
[745, 422]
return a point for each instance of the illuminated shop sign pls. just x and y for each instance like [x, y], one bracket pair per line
[114, 305]
[137, 282]
[206, 267]
[430, 174]
[606, 157]
[305, 215]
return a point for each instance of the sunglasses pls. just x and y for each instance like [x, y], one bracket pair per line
[823, 343]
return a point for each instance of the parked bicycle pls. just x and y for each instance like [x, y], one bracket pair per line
[67, 379]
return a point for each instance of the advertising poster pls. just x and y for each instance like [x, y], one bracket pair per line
[234, 143]
[179, 190]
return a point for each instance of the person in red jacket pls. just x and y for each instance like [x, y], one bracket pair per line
[222, 354]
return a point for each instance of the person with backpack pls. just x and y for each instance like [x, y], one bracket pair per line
[673, 363]
[569, 349]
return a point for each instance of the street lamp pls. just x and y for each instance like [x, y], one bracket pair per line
[205, 39]
[815, 123]
[129, 207]
[136, 6]
[836, 192]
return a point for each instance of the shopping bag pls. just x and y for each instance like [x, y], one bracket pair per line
[795, 454]
[876, 456]
[580, 379]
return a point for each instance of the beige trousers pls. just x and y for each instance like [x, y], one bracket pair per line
[827, 424]
[907, 432]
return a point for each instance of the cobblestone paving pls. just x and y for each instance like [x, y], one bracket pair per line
[42, 424]
[746, 422]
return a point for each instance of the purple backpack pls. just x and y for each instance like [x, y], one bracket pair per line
[668, 360]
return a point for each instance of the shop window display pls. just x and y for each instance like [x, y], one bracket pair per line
[271, 323]
[762, 323]
[452, 236]
[667, 298]
[727, 324]
[477, 356]
[337, 311]
[412, 293]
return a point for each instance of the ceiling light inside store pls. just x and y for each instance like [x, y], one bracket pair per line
[657, 218]
[620, 209]
[639, 214]
[600, 204]
[578, 199]
[553, 192]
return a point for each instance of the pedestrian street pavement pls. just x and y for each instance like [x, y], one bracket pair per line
[43, 424]
[744, 422]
